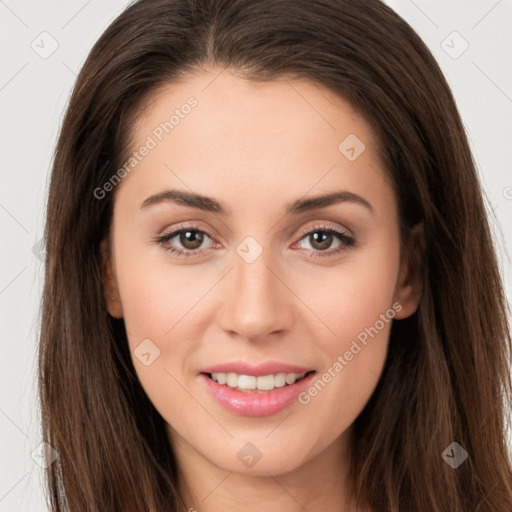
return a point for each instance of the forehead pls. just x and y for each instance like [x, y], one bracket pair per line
[213, 129]
[225, 100]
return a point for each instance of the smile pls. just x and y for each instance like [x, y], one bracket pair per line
[245, 396]
[251, 383]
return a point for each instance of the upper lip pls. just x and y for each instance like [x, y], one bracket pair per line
[257, 370]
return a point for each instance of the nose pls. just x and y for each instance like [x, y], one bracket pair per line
[257, 302]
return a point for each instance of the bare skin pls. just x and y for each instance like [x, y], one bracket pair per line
[257, 148]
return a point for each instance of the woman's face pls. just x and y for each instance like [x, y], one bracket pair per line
[288, 263]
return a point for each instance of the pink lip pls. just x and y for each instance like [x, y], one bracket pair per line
[257, 370]
[256, 404]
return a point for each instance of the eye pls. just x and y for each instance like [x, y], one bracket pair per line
[185, 241]
[321, 238]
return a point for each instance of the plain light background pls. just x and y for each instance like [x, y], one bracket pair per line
[42, 47]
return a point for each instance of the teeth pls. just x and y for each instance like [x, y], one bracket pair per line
[247, 382]
[252, 383]
[232, 380]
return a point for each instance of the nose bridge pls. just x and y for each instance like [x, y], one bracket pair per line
[257, 302]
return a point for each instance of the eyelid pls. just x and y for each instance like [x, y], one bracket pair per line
[165, 237]
[320, 226]
[187, 226]
[191, 226]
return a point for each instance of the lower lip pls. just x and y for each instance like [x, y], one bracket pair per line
[255, 404]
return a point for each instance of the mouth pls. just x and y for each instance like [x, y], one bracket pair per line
[256, 395]
[257, 384]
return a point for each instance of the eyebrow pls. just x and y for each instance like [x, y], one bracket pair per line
[208, 204]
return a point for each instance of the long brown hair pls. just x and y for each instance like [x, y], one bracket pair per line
[446, 378]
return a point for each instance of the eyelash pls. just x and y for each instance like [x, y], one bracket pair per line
[347, 241]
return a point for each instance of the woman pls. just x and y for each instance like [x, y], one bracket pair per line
[270, 280]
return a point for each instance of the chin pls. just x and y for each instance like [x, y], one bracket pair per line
[259, 457]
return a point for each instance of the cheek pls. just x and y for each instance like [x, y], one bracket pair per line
[160, 303]
[160, 308]
[351, 297]
[158, 296]
[153, 302]
[357, 306]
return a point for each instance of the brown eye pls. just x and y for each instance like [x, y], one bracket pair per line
[325, 241]
[186, 241]
[191, 239]
[321, 240]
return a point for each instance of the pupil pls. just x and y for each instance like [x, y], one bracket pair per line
[191, 239]
[322, 244]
